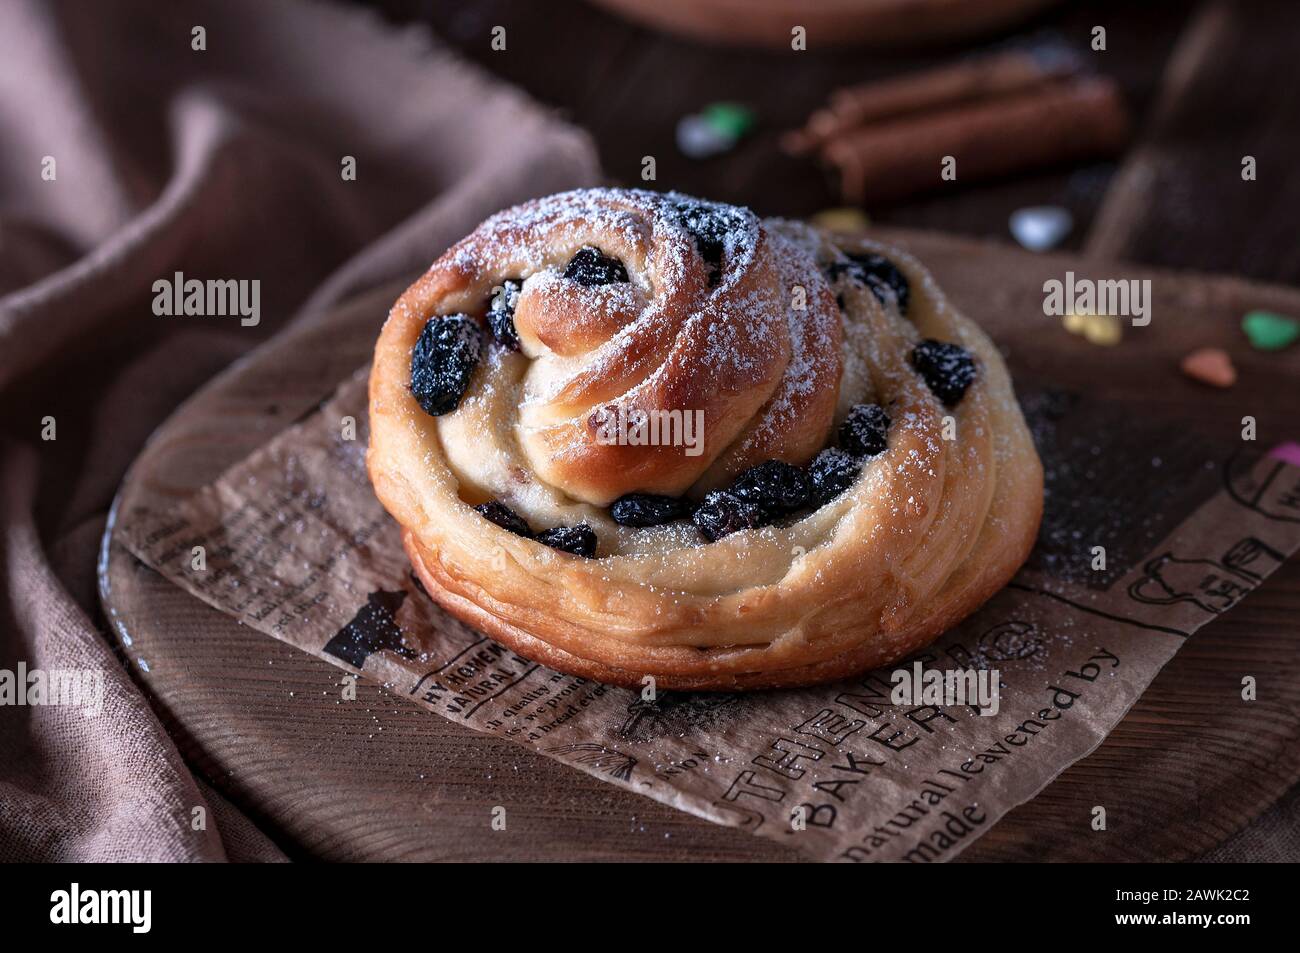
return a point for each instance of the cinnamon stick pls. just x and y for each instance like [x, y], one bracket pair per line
[1062, 120]
[970, 81]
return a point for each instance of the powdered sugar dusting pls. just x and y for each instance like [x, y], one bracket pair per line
[717, 305]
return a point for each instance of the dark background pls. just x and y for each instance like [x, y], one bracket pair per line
[1230, 91]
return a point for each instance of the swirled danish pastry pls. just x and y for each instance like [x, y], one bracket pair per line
[629, 433]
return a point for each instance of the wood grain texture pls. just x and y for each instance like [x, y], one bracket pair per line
[1179, 198]
[378, 778]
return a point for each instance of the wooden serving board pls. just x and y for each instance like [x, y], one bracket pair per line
[380, 779]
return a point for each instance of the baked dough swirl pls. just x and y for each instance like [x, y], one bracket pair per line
[630, 306]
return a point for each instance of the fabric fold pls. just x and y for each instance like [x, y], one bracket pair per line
[131, 157]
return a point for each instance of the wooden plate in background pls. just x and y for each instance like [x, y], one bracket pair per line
[871, 23]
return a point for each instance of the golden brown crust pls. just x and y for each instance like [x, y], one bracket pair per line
[694, 672]
[931, 529]
[676, 336]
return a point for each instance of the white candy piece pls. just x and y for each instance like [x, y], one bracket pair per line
[698, 139]
[1041, 227]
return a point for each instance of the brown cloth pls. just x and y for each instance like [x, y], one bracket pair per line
[222, 163]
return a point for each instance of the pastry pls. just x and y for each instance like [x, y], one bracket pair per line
[635, 434]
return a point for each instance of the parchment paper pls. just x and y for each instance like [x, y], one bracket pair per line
[296, 545]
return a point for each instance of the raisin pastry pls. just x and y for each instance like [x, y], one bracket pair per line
[635, 434]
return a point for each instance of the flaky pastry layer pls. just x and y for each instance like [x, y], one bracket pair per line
[930, 530]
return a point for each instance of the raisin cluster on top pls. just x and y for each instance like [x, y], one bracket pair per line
[450, 347]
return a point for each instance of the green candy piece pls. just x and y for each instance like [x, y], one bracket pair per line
[1270, 331]
[730, 119]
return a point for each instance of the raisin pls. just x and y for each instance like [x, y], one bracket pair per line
[647, 509]
[443, 362]
[831, 473]
[878, 273]
[864, 430]
[721, 514]
[591, 267]
[709, 225]
[946, 368]
[578, 540]
[501, 315]
[775, 487]
[505, 517]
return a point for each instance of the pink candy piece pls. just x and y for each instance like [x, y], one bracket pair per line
[1288, 452]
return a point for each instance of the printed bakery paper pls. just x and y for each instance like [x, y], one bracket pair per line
[1144, 540]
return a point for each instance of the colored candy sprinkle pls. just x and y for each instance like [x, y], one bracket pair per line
[1288, 452]
[841, 220]
[1210, 365]
[1041, 227]
[1270, 331]
[698, 140]
[729, 119]
[714, 130]
[1102, 329]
